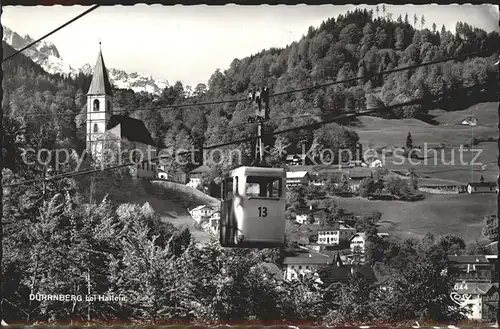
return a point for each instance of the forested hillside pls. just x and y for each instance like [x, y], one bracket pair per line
[352, 45]
[356, 44]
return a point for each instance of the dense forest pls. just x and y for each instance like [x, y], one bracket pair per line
[64, 237]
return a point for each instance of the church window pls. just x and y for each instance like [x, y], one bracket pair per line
[96, 105]
[109, 106]
[96, 129]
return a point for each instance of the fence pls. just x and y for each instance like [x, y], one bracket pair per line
[443, 189]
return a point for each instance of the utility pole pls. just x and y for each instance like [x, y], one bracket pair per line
[261, 98]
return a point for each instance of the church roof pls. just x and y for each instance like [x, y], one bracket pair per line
[132, 129]
[100, 84]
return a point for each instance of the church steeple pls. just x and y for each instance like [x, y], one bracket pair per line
[99, 106]
[100, 84]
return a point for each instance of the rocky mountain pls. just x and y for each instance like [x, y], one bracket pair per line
[47, 55]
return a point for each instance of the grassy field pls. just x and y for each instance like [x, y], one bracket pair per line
[460, 214]
[381, 133]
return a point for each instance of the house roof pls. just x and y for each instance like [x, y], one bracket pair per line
[310, 258]
[328, 174]
[201, 169]
[132, 129]
[360, 173]
[100, 84]
[339, 273]
[340, 227]
[201, 207]
[470, 118]
[468, 259]
[324, 171]
[307, 210]
[483, 184]
[296, 174]
[363, 235]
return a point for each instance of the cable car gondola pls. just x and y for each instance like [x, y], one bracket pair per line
[253, 208]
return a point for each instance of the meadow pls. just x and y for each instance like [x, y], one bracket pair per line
[448, 134]
[458, 214]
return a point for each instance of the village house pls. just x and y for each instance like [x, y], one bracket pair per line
[474, 286]
[308, 265]
[174, 175]
[121, 138]
[359, 240]
[480, 298]
[357, 175]
[328, 249]
[214, 223]
[304, 264]
[472, 268]
[295, 159]
[469, 121]
[376, 163]
[306, 215]
[298, 266]
[201, 213]
[196, 175]
[482, 187]
[297, 178]
[334, 236]
[321, 176]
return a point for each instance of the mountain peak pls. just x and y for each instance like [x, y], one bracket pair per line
[46, 54]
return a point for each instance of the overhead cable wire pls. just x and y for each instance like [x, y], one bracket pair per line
[52, 32]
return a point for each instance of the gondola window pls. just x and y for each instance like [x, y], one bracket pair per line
[263, 187]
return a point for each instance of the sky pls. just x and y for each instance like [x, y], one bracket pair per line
[188, 43]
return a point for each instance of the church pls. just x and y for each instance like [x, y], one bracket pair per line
[119, 138]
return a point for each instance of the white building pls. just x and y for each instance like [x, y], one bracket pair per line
[470, 121]
[119, 138]
[295, 159]
[202, 213]
[376, 164]
[303, 215]
[335, 236]
[297, 178]
[214, 223]
[359, 240]
[304, 264]
[196, 175]
[482, 187]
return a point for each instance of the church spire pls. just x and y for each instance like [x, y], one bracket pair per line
[100, 84]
